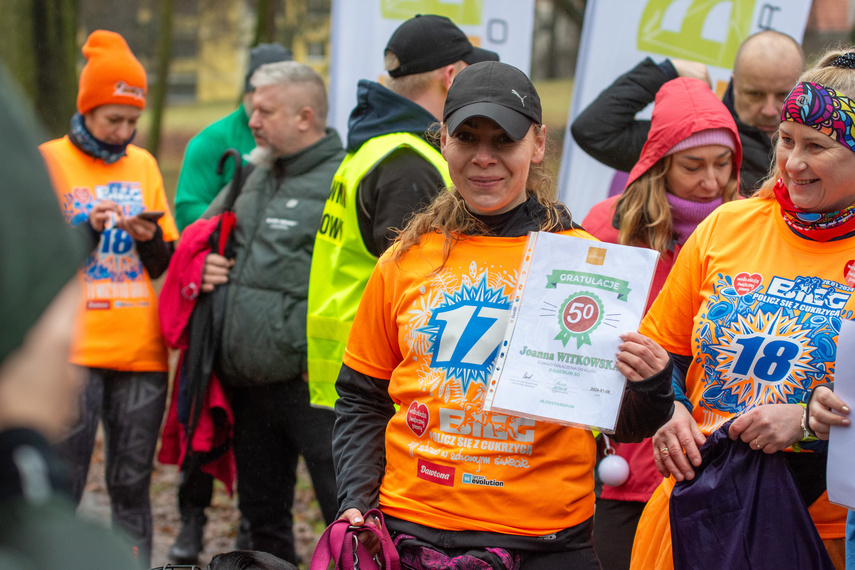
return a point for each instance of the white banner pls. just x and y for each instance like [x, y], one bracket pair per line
[362, 28]
[708, 31]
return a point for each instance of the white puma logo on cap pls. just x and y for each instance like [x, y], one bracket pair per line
[521, 98]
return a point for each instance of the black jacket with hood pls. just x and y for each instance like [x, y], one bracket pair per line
[403, 181]
[608, 130]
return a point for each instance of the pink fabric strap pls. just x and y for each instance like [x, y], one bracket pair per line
[340, 545]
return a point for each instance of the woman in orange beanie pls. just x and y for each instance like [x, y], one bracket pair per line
[112, 191]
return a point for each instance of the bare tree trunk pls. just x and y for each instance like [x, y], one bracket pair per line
[551, 60]
[570, 7]
[157, 97]
[54, 28]
[265, 23]
[16, 44]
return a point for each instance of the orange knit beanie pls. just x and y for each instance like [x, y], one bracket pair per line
[111, 75]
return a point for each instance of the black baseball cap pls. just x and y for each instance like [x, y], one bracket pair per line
[497, 91]
[427, 42]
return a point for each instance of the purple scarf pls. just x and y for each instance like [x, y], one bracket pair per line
[686, 214]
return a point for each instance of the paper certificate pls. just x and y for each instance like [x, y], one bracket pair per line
[841, 440]
[557, 360]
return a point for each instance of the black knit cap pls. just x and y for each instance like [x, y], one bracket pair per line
[497, 91]
[261, 55]
[428, 42]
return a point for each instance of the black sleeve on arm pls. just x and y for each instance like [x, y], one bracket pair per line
[678, 378]
[646, 405]
[400, 184]
[155, 253]
[607, 129]
[359, 438]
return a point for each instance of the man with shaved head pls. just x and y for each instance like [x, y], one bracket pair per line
[766, 68]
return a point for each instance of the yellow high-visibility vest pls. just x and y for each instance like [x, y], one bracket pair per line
[342, 264]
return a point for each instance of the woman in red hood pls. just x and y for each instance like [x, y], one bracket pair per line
[688, 167]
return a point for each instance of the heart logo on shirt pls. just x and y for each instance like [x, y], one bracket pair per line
[418, 418]
[849, 272]
[745, 283]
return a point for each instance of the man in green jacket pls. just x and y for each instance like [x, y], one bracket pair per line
[199, 182]
[263, 351]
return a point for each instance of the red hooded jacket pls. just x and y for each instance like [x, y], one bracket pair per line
[682, 108]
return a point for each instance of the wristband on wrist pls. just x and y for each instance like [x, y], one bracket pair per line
[807, 434]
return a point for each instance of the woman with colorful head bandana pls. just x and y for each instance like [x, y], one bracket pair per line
[751, 312]
[460, 487]
[103, 182]
[688, 167]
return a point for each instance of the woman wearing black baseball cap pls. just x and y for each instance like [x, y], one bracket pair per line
[457, 485]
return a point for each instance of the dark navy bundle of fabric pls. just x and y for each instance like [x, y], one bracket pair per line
[743, 509]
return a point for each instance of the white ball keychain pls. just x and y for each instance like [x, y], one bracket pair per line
[613, 469]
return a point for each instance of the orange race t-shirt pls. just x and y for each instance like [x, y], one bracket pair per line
[117, 326]
[759, 309]
[449, 465]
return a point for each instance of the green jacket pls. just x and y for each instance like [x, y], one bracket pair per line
[50, 535]
[38, 525]
[199, 183]
[278, 213]
[39, 252]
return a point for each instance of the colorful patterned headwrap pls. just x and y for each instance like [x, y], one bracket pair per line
[824, 109]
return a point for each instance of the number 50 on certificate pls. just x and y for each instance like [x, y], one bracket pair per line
[574, 300]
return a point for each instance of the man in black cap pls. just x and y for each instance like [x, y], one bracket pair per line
[199, 182]
[390, 171]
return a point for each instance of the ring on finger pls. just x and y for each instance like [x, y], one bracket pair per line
[663, 451]
[756, 443]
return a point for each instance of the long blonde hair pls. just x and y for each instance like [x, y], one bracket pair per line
[644, 214]
[822, 72]
[448, 215]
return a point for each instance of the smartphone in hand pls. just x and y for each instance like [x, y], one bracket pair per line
[150, 215]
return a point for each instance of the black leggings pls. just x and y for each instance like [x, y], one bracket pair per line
[615, 523]
[130, 405]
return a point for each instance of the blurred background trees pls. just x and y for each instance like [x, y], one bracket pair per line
[195, 50]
